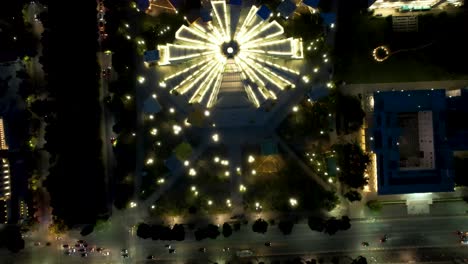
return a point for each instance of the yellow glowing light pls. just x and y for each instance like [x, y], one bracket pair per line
[259, 45]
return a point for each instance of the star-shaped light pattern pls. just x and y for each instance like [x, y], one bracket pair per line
[249, 50]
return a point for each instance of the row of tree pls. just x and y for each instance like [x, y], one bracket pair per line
[160, 232]
[261, 226]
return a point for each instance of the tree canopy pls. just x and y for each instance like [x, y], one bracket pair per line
[352, 161]
[260, 226]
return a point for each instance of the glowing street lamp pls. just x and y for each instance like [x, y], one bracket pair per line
[242, 188]
[192, 172]
[293, 202]
[251, 159]
[215, 137]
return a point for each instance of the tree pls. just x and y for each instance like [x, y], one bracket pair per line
[260, 226]
[178, 232]
[42, 107]
[350, 112]
[183, 151]
[10, 237]
[359, 260]
[286, 226]
[345, 223]
[353, 196]
[316, 223]
[88, 229]
[212, 231]
[352, 161]
[144, 231]
[332, 226]
[227, 230]
[335, 260]
[374, 205]
[58, 226]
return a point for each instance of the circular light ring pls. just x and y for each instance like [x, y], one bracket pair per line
[381, 53]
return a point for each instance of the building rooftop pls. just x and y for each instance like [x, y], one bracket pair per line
[311, 3]
[286, 8]
[264, 12]
[408, 137]
[151, 56]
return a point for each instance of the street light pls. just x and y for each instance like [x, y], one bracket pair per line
[293, 202]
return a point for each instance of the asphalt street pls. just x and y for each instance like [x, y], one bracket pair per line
[407, 236]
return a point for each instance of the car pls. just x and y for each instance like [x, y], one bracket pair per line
[225, 249]
[80, 241]
[268, 244]
[77, 245]
[101, 26]
[384, 239]
[167, 246]
[85, 245]
[106, 253]
[48, 243]
[124, 251]
[106, 73]
[365, 244]
[84, 255]
[244, 253]
[172, 251]
[68, 252]
[125, 255]
[202, 249]
[150, 257]
[82, 250]
[37, 243]
[99, 249]
[65, 246]
[378, 14]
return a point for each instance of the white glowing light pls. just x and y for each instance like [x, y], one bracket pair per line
[242, 188]
[251, 159]
[293, 202]
[215, 137]
[295, 108]
[192, 172]
[149, 161]
[206, 52]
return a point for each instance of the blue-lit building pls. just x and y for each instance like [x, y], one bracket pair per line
[409, 137]
[286, 8]
[264, 12]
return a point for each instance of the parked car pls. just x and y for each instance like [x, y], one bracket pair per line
[244, 253]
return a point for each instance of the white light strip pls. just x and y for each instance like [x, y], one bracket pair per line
[193, 74]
